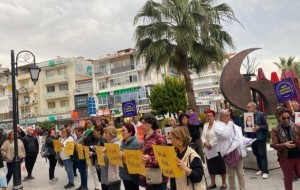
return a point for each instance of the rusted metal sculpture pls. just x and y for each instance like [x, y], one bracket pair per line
[236, 89]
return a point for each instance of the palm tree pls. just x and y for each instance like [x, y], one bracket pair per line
[288, 63]
[184, 34]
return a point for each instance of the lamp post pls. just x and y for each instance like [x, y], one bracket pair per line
[26, 101]
[27, 57]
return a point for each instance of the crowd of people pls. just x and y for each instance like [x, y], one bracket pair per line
[220, 145]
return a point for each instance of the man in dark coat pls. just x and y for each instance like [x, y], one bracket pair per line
[31, 145]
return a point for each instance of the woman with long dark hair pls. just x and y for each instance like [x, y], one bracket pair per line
[51, 154]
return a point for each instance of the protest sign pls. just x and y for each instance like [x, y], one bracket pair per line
[87, 155]
[166, 158]
[100, 155]
[285, 90]
[134, 163]
[80, 151]
[113, 154]
[248, 122]
[57, 146]
[69, 150]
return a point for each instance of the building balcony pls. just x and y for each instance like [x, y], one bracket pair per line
[55, 79]
[5, 82]
[59, 94]
[56, 110]
[122, 69]
[23, 76]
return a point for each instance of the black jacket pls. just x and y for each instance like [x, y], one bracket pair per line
[31, 145]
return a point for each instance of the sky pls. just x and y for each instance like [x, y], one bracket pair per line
[91, 28]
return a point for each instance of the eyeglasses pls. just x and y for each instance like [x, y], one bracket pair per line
[284, 118]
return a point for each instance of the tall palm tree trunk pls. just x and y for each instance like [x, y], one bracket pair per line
[189, 86]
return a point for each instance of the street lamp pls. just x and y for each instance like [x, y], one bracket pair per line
[27, 57]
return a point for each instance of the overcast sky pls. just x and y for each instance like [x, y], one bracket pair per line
[90, 28]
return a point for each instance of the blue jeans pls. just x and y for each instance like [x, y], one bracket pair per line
[68, 163]
[81, 165]
[10, 170]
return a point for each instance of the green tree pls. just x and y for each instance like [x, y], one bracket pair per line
[168, 97]
[184, 34]
[288, 63]
[46, 125]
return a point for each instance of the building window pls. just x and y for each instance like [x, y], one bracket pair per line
[51, 105]
[63, 87]
[102, 85]
[62, 71]
[50, 73]
[50, 89]
[64, 103]
[36, 110]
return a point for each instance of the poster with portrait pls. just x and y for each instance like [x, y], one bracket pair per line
[297, 117]
[168, 131]
[248, 122]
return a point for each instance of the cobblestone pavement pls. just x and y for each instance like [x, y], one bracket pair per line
[40, 172]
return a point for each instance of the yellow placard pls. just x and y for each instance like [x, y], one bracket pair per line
[166, 158]
[80, 151]
[57, 146]
[113, 154]
[134, 163]
[100, 155]
[87, 155]
[69, 150]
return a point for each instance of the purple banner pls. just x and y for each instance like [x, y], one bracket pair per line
[285, 90]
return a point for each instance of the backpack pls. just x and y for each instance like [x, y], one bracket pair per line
[44, 151]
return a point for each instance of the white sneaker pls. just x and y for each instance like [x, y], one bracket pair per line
[265, 176]
[259, 173]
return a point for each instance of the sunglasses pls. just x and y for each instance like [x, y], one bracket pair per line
[284, 118]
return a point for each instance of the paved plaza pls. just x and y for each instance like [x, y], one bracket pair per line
[40, 172]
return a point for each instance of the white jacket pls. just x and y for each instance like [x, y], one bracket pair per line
[229, 137]
[213, 140]
[64, 141]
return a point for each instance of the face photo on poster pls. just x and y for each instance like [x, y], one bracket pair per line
[248, 121]
[297, 117]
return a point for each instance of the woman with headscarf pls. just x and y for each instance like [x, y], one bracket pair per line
[286, 141]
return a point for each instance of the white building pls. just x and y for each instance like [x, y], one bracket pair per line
[6, 107]
[119, 77]
[59, 81]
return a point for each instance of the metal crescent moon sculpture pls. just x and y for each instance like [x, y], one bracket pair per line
[237, 90]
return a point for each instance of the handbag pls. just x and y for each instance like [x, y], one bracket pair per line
[232, 159]
[3, 181]
[153, 176]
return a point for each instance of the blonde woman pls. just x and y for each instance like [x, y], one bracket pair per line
[7, 151]
[110, 172]
[188, 160]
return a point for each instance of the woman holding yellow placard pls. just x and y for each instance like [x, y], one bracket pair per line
[68, 163]
[98, 141]
[129, 142]
[79, 158]
[188, 160]
[110, 172]
[51, 154]
[155, 179]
